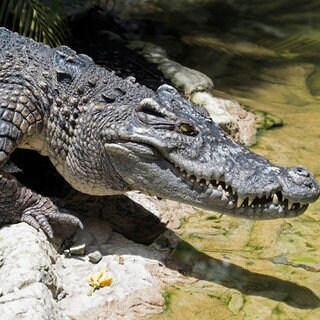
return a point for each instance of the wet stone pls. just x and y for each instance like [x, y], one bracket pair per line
[280, 260]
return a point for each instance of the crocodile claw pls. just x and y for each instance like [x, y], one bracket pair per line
[41, 216]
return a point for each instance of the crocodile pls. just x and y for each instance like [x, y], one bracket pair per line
[107, 135]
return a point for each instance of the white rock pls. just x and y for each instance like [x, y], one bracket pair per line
[28, 281]
[37, 283]
[215, 107]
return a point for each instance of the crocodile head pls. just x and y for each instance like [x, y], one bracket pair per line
[170, 148]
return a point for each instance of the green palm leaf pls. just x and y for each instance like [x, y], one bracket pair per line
[34, 19]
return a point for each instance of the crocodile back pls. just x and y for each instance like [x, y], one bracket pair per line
[5, 39]
[16, 47]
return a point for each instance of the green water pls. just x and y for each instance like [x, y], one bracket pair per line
[267, 56]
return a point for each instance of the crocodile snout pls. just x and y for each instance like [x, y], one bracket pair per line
[299, 184]
[300, 175]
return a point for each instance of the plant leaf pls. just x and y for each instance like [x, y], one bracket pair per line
[34, 19]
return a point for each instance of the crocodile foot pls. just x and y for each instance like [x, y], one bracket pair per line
[20, 204]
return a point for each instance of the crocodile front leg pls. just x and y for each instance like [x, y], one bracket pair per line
[18, 203]
[21, 119]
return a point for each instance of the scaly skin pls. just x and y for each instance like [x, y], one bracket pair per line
[107, 135]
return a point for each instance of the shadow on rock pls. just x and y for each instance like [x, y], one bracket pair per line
[125, 216]
[138, 224]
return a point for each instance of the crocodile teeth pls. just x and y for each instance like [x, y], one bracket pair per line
[275, 200]
[240, 201]
[290, 204]
[250, 200]
[228, 193]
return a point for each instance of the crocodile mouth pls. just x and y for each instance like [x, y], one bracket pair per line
[263, 206]
[217, 195]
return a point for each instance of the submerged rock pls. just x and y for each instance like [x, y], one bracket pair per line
[265, 121]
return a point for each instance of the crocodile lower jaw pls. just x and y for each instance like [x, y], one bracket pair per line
[233, 201]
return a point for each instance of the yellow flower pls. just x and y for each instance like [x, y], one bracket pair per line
[99, 280]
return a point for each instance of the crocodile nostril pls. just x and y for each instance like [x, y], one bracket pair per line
[302, 172]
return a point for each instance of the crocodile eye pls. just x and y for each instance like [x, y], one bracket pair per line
[188, 129]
